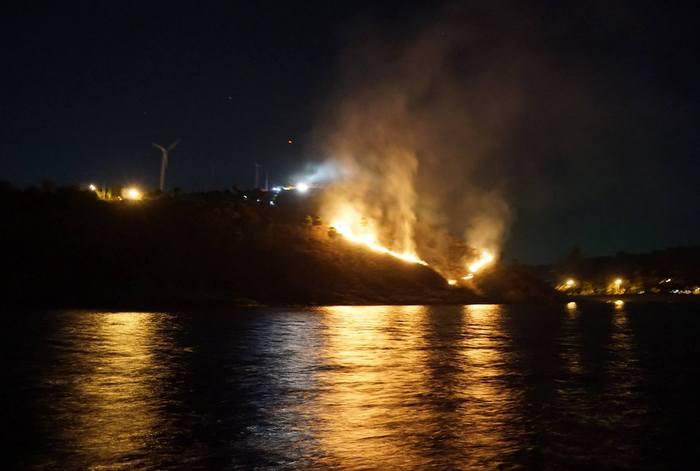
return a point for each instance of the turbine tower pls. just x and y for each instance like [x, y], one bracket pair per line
[164, 161]
[257, 176]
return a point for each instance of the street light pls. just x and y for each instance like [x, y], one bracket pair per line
[132, 193]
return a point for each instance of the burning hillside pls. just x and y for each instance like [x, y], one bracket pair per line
[413, 139]
[218, 250]
[344, 220]
[359, 230]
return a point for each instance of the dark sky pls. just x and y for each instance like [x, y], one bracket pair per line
[86, 88]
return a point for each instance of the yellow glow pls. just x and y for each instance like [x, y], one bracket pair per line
[484, 259]
[113, 377]
[367, 237]
[451, 282]
[133, 194]
[571, 305]
[468, 276]
[483, 348]
[618, 281]
[619, 303]
[570, 283]
[362, 395]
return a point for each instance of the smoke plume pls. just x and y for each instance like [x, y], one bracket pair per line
[420, 125]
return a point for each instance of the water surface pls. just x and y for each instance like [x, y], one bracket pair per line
[413, 387]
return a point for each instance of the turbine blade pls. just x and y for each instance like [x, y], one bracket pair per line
[173, 145]
[162, 149]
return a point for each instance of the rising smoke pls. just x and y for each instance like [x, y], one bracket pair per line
[420, 126]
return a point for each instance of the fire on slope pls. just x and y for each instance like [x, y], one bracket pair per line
[369, 239]
[485, 259]
[361, 231]
[376, 206]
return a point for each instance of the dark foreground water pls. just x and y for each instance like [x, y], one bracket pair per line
[412, 387]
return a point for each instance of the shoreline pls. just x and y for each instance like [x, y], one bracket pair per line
[249, 304]
[647, 298]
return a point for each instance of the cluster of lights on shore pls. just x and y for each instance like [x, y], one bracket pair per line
[130, 193]
[570, 283]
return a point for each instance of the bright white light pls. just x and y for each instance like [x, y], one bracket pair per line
[276, 189]
[302, 187]
[318, 174]
[92, 187]
[132, 193]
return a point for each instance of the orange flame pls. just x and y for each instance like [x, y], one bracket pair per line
[368, 238]
[486, 258]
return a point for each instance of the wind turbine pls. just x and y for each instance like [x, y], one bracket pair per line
[164, 161]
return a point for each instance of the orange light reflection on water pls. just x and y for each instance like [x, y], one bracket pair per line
[391, 373]
[115, 392]
[366, 388]
[489, 405]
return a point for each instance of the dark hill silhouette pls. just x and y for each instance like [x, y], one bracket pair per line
[66, 248]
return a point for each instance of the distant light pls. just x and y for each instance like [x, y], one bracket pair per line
[451, 282]
[571, 305]
[245, 197]
[133, 194]
[92, 187]
[619, 303]
[618, 281]
[257, 200]
[272, 203]
[302, 187]
[276, 189]
[290, 141]
[468, 276]
[570, 282]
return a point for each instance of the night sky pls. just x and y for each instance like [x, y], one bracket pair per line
[87, 87]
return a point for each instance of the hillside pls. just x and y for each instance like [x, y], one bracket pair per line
[69, 249]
